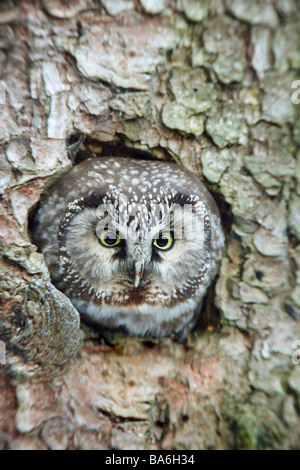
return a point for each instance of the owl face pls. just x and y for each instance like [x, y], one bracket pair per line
[134, 251]
[139, 249]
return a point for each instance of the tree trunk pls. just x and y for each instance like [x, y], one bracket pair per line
[212, 85]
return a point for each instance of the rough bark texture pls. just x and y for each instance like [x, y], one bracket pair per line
[208, 84]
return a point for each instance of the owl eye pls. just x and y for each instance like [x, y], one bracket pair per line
[164, 241]
[109, 238]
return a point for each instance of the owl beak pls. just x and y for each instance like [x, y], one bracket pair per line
[139, 269]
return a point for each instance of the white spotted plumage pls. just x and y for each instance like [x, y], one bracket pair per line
[102, 281]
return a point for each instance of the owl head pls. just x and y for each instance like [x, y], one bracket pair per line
[135, 244]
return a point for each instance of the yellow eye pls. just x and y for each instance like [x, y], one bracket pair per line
[164, 241]
[109, 238]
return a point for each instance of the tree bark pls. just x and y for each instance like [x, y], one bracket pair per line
[211, 85]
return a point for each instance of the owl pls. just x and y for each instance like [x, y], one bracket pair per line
[133, 243]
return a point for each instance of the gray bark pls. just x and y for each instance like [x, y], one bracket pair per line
[208, 84]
